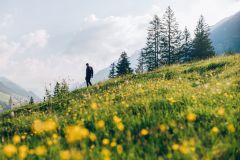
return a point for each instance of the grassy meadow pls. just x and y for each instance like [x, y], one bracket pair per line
[187, 111]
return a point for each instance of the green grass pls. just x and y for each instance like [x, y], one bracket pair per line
[208, 89]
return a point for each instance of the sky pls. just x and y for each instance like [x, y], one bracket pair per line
[43, 41]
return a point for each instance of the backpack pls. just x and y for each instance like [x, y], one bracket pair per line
[91, 71]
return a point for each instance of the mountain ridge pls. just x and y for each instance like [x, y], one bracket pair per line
[225, 35]
[11, 89]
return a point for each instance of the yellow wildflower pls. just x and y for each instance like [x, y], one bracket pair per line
[194, 97]
[175, 146]
[31, 151]
[191, 117]
[120, 126]
[221, 111]
[119, 149]
[105, 141]
[105, 152]
[65, 155]
[113, 144]
[107, 158]
[9, 150]
[37, 127]
[215, 130]
[94, 105]
[16, 139]
[76, 133]
[162, 127]
[183, 149]
[49, 142]
[92, 137]
[77, 155]
[23, 152]
[171, 100]
[100, 124]
[144, 132]
[23, 137]
[40, 151]
[231, 128]
[55, 138]
[50, 125]
[116, 119]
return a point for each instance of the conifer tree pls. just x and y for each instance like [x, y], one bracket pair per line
[171, 37]
[123, 65]
[141, 62]
[112, 71]
[57, 91]
[152, 50]
[48, 95]
[185, 50]
[202, 45]
[64, 89]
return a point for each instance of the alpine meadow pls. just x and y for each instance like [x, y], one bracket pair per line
[120, 80]
[188, 111]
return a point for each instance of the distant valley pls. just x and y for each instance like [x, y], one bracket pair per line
[10, 89]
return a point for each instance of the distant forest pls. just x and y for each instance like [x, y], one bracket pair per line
[166, 44]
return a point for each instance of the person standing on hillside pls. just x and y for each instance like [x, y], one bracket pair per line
[89, 75]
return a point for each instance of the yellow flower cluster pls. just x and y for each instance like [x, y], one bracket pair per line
[106, 154]
[118, 122]
[186, 147]
[72, 154]
[171, 100]
[39, 126]
[23, 151]
[9, 150]
[163, 127]
[75, 133]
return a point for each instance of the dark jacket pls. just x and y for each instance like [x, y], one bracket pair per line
[89, 72]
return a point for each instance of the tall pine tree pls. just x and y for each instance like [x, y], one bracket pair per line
[171, 37]
[57, 90]
[141, 62]
[152, 51]
[202, 45]
[112, 71]
[186, 48]
[123, 65]
[64, 90]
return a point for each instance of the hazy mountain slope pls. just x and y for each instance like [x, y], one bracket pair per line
[4, 98]
[225, 35]
[9, 88]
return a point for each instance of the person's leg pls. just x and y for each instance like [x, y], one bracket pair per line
[90, 82]
[87, 82]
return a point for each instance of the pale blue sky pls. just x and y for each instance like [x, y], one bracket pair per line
[42, 41]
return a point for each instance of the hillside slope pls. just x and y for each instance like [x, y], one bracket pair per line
[225, 35]
[188, 111]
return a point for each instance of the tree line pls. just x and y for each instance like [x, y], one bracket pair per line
[166, 44]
